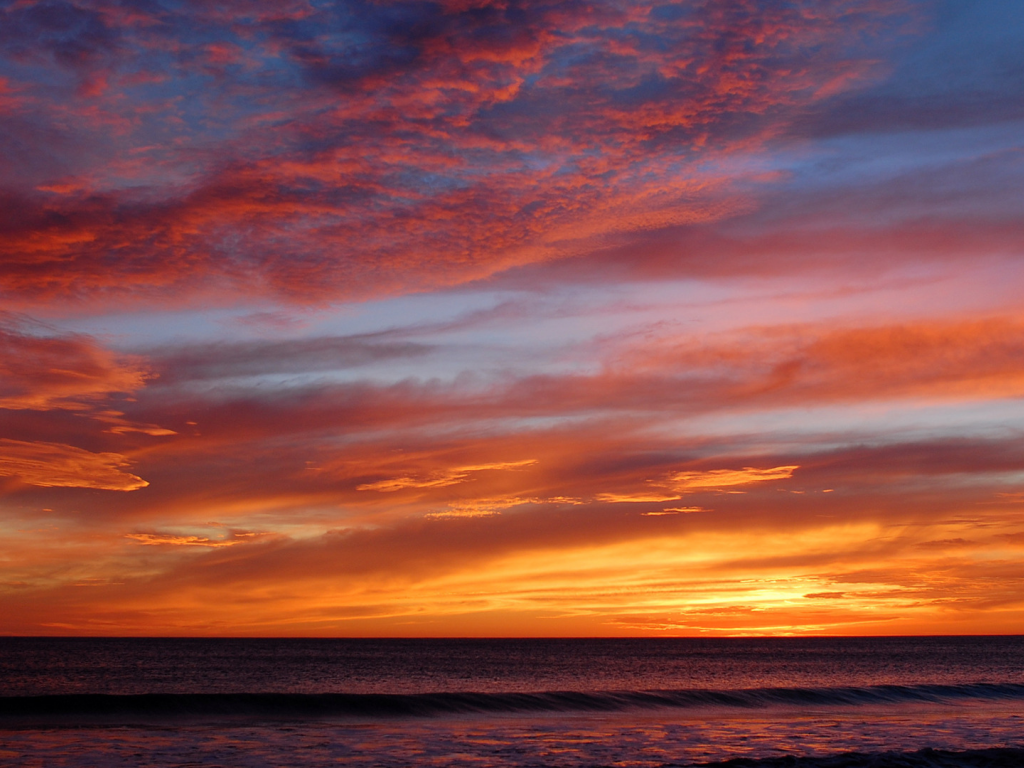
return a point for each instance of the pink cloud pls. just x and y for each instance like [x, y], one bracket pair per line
[41, 370]
[484, 140]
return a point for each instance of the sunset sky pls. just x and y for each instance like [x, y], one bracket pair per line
[511, 318]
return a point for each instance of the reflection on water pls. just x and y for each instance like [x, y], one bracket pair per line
[37, 666]
[404, 676]
[645, 739]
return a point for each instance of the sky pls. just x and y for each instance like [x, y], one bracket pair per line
[511, 318]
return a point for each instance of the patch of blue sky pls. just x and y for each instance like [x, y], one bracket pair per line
[454, 313]
[481, 367]
[651, 87]
[404, 312]
[961, 66]
[581, 315]
[742, 169]
[672, 12]
[912, 291]
[972, 45]
[575, 315]
[205, 106]
[733, 303]
[40, 73]
[542, 161]
[867, 424]
[146, 327]
[540, 320]
[860, 158]
[410, 177]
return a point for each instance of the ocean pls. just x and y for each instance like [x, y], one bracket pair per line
[757, 703]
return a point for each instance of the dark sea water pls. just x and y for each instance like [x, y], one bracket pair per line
[626, 702]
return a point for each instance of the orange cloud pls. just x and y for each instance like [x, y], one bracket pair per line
[727, 478]
[970, 358]
[488, 507]
[629, 498]
[483, 575]
[682, 483]
[41, 371]
[760, 367]
[674, 511]
[441, 479]
[468, 510]
[169, 539]
[58, 465]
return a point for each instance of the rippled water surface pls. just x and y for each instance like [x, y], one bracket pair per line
[72, 665]
[512, 703]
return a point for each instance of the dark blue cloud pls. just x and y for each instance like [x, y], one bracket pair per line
[73, 37]
[968, 70]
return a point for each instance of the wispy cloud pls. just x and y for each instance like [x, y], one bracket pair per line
[172, 540]
[42, 370]
[441, 479]
[57, 465]
[727, 478]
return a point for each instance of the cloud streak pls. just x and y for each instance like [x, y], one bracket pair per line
[41, 370]
[57, 465]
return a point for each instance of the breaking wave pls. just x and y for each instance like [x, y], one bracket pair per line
[106, 707]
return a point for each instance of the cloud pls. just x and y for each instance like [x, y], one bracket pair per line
[158, 539]
[738, 371]
[630, 498]
[401, 483]
[727, 478]
[957, 77]
[223, 360]
[358, 150]
[502, 544]
[488, 507]
[681, 483]
[41, 370]
[952, 359]
[174, 540]
[74, 38]
[825, 595]
[414, 446]
[441, 479]
[674, 511]
[59, 465]
[567, 571]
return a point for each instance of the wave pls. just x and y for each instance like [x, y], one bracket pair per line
[373, 705]
[999, 757]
